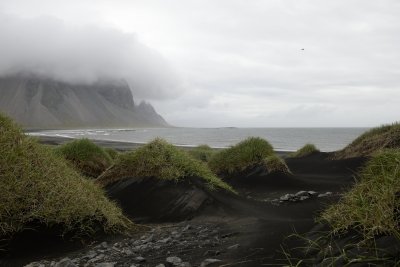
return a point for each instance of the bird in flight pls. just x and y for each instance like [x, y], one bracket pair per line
[302, 49]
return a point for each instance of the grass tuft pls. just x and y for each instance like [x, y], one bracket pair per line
[86, 157]
[306, 150]
[383, 137]
[249, 152]
[373, 205]
[161, 160]
[202, 153]
[39, 187]
[276, 164]
[112, 153]
[326, 249]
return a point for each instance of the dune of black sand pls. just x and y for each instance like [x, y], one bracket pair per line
[199, 224]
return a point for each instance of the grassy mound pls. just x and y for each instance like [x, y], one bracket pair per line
[202, 153]
[373, 205]
[86, 157]
[247, 153]
[161, 160]
[363, 228]
[39, 188]
[387, 136]
[275, 164]
[306, 150]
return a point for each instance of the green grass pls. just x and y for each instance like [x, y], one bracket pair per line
[276, 164]
[306, 150]
[372, 206]
[370, 210]
[247, 153]
[383, 137]
[112, 153]
[39, 187]
[161, 160]
[202, 152]
[86, 157]
[321, 248]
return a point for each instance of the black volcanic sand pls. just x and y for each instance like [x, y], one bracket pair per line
[120, 146]
[243, 230]
[316, 172]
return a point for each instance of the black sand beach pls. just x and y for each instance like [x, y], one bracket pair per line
[119, 146]
[247, 229]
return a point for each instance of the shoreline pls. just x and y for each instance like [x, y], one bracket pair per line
[118, 145]
[282, 139]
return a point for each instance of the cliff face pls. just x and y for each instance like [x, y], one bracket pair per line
[43, 103]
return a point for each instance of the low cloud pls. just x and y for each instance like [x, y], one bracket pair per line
[241, 62]
[49, 47]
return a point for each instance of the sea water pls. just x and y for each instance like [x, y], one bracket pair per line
[282, 139]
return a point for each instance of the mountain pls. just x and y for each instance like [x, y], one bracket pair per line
[41, 103]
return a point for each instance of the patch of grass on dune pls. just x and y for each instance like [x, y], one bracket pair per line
[373, 205]
[162, 160]
[306, 150]
[247, 153]
[276, 164]
[86, 157]
[364, 224]
[39, 188]
[202, 152]
[112, 153]
[383, 137]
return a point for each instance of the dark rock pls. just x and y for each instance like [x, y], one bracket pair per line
[312, 193]
[97, 258]
[127, 251]
[187, 227]
[104, 245]
[229, 235]
[66, 262]
[285, 197]
[304, 198]
[106, 264]
[90, 255]
[212, 253]
[173, 261]
[140, 259]
[325, 194]
[165, 240]
[35, 264]
[301, 194]
[236, 246]
[210, 262]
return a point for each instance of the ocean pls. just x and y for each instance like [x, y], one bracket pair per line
[282, 139]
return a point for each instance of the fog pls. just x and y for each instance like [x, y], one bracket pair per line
[261, 63]
[48, 47]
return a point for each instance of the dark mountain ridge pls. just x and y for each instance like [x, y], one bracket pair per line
[42, 103]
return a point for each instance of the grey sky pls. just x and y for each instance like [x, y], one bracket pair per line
[241, 63]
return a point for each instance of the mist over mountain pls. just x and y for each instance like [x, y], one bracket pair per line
[55, 74]
[83, 54]
[38, 102]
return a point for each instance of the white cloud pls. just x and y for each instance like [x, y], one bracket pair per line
[84, 54]
[242, 64]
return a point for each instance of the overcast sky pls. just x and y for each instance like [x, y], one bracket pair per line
[212, 63]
